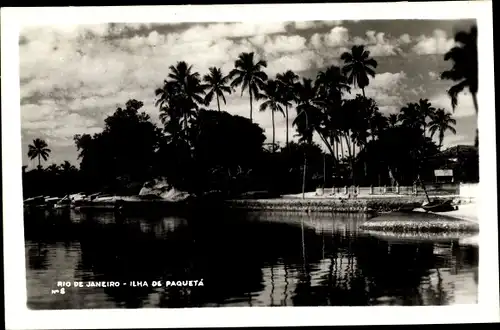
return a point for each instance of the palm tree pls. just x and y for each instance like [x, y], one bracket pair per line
[354, 126]
[309, 115]
[180, 97]
[358, 65]
[331, 83]
[216, 84]
[426, 111]
[307, 99]
[393, 120]
[273, 101]
[442, 121]
[66, 167]
[53, 169]
[248, 74]
[411, 117]
[305, 132]
[39, 149]
[378, 123]
[308, 118]
[286, 83]
[465, 66]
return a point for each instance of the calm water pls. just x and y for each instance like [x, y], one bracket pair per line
[256, 259]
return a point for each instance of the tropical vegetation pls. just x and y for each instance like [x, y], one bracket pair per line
[202, 150]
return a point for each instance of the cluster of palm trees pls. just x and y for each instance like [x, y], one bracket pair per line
[323, 107]
[65, 167]
[321, 104]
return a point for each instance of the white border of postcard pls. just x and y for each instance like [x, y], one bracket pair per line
[18, 316]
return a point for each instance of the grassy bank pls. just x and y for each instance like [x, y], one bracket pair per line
[419, 237]
[421, 226]
[352, 205]
[425, 223]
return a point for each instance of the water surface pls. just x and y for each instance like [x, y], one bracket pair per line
[244, 259]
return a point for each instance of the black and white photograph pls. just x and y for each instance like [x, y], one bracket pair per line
[249, 156]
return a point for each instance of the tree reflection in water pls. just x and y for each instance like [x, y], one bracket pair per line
[250, 260]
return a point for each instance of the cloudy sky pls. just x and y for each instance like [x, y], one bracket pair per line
[72, 77]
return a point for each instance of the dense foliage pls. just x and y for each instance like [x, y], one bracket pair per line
[201, 150]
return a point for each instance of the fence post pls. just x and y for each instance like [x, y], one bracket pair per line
[397, 188]
[414, 189]
[371, 190]
[384, 189]
[345, 190]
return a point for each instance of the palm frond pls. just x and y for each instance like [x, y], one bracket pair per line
[454, 91]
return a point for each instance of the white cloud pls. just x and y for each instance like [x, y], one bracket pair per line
[387, 80]
[379, 45]
[376, 42]
[296, 62]
[283, 44]
[438, 43]
[49, 120]
[405, 38]
[216, 31]
[336, 37]
[32, 113]
[433, 75]
[451, 140]
[304, 25]
[385, 90]
[389, 109]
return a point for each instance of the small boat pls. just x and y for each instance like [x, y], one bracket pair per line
[63, 203]
[439, 206]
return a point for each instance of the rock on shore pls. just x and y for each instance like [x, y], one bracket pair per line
[161, 188]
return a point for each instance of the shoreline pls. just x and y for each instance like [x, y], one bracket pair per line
[362, 204]
[394, 213]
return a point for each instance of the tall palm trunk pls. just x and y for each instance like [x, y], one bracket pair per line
[353, 160]
[341, 148]
[250, 91]
[335, 149]
[304, 177]
[335, 152]
[338, 148]
[346, 137]
[363, 90]
[39, 163]
[274, 136]
[365, 164]
[474, 100]
[218, 104]
[325, 141]
[441, 138]
[286, 118]
[324, 171]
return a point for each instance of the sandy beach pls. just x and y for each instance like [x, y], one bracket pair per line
[464, 212]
